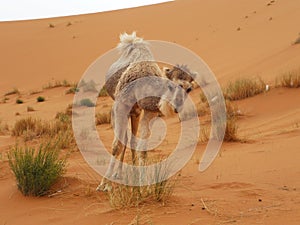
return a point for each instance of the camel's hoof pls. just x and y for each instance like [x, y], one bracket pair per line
[117, 176]
[104, 187]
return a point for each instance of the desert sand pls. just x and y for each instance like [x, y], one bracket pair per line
[255, 182]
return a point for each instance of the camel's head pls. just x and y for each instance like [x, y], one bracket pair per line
[172, 101]
[181, 74]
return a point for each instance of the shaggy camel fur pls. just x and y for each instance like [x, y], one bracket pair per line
[130, 81]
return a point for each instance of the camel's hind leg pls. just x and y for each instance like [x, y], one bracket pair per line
[135, 119]
[145, 132]
[120, 121]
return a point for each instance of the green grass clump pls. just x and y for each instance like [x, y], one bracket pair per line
[19, 101]
[290, 79]
[87, 102]
[243, 88]
[40, 99]
[36, 170]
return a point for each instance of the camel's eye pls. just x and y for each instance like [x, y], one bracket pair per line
[188, 90]
[170, 87]
[181, 85]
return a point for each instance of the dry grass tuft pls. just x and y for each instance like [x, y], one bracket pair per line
[4, 129]
[15, 91]
[57, 83]
[30, 109]
[290, 79]
[231, 127]
[59, 130]
[244, 88]
[103, 118]
[123, 196]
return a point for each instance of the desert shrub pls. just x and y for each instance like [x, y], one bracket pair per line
[51, 25]
[19, 101]
[40, 99]
[36, 170]
[290, 79]
[87, 102]
[121, 196]
[103, 118]
[244, 88]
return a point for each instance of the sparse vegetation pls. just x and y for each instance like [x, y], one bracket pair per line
[103, 118]
[87, 102]
[35, 92]
[297, 41]
[36, 170]
[15, 91]
[290, 79]
[57, 83]
[244, 88]
[40, 99]
[89, 86]
[72, 90]
[51, 25]
[122, 196]
[59, 130]
[30, 109]
[4, 129]
[19, 101]
[103, 92]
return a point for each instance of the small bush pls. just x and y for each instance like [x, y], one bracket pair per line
[19, 101]
[290, 79]
[244, 88]
[36, 170]
[87, 102]
[40, 99]
[51, 25]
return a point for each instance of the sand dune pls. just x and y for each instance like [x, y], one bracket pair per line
[249, 183]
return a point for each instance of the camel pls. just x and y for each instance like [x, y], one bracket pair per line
[131, 82]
